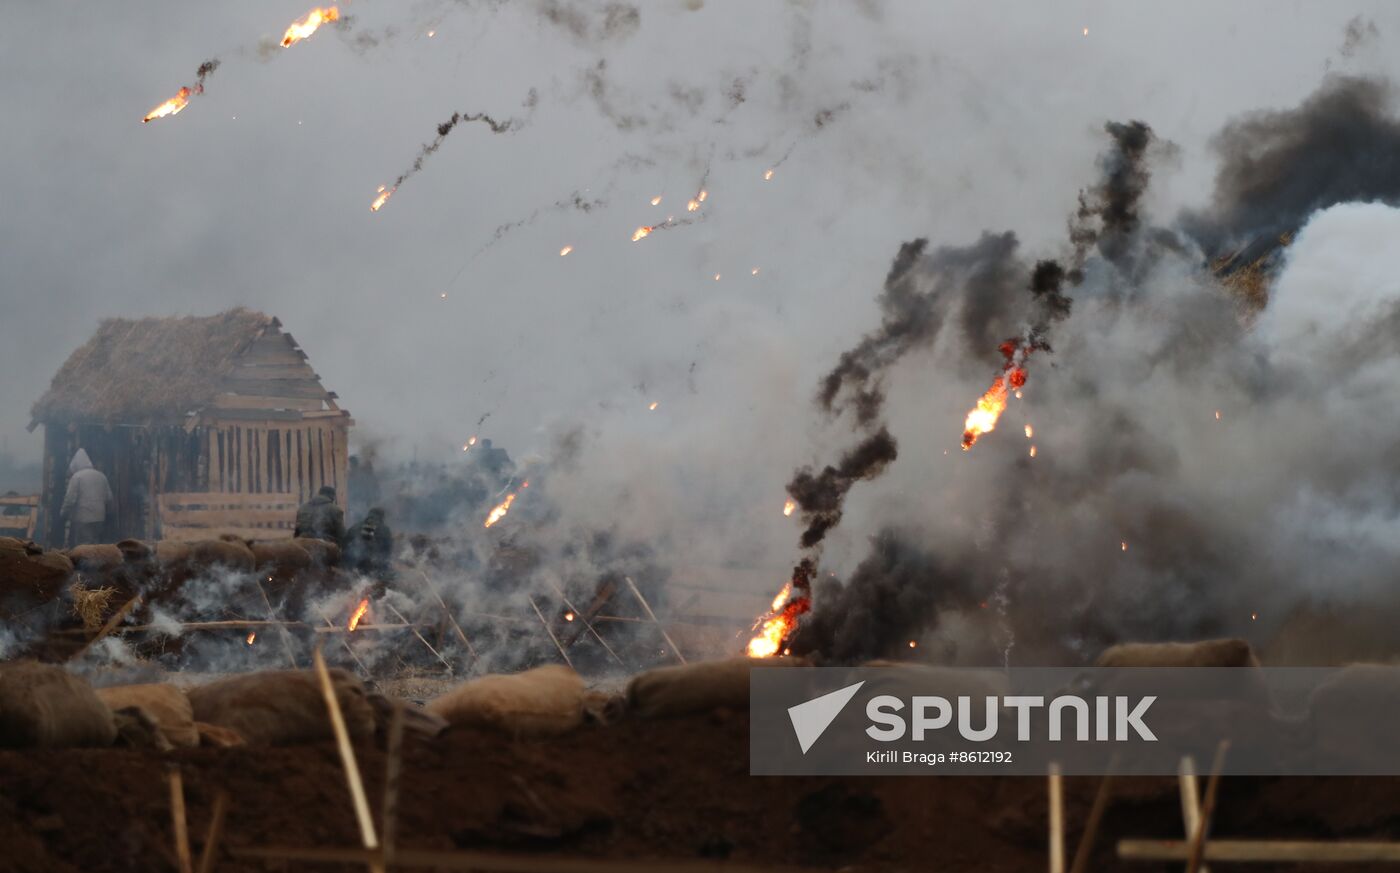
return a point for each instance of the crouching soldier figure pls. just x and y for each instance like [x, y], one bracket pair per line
[321, 518]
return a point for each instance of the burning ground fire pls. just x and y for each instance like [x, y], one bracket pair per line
[500, 509]
[358, 614]
[300, 30]
[982, 418]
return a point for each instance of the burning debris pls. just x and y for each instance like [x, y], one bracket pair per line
[182, 97]
[309, 24]
[499, 511]
[387, 191]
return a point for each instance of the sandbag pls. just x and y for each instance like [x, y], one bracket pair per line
[96, 559]
[26, 568]
[215, 737]
[166, 705]
[946, 682]
[323, 553]
[281, 707]
[232, 554]
[544, 701]
[281, 558]
[699, 687]
[44, 706]
[1206, 653]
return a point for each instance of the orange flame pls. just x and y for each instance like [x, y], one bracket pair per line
[500, 510]
[652, 406]
[656, 201]
[789, 506]
[568, 616]
[169, 107]
[642, 233]
[1030, 432]
[251, 637]
[982, 418]
[772, 630]
[702, 195]
[565, 251]
[692, 206]
[767, 175]
[300, 30]
[358, 614]
[382, 198]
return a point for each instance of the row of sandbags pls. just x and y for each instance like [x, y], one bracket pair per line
[181, 560]
[45, 706]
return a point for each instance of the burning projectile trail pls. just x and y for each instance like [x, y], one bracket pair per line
[358, 614]
[983, 417]
[646, 230]
[387, 191]
[304, 27]
[500, 509]
[182, 97]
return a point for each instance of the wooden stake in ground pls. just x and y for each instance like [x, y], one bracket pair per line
[578, 616]
[421, 638]
[347, 760]
[393, 766]
[1198, 842]
[552, 637]
[1057, 820]
[216, 833]
[1091, 827]
[651, 615]
[177, 817]
[112, 622]
[1190, 800]
[452, 619]
[286, 634]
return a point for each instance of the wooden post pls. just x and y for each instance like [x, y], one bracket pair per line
[578, 616]
[393, 766]
[1057, 820]
[450, 617]
[1198, 842]
[1091, 827]
[215, 833]
[112, 622]
[647, 606]
[420, 637]
[347, 761]
[177, 816]
[1190, 799]
[552, 637]
[272, 616]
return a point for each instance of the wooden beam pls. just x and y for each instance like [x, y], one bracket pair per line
[268, 402]
[1264, 851]
[276, 387]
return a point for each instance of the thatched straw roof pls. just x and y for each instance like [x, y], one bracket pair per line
[138, 371]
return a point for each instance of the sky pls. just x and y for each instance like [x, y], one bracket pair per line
[882, 121]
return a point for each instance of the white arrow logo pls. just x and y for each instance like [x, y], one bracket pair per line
[811, 719]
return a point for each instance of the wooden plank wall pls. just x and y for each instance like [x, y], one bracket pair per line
[278, 457]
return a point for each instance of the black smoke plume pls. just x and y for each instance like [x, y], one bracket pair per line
[442, 131]
[1277, 167]
[205, 70]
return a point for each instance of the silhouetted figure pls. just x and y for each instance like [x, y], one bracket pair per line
[369, 547]
[321, 518]
[87, 503]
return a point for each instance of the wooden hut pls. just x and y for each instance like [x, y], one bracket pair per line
[202, 425]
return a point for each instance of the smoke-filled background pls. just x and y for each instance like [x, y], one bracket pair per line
[1142, 514]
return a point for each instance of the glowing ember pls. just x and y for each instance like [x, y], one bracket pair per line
[1217, 415]
[565, 251]
[568, 616]
[1030, 431]
[1086, 31]
[913, 644]
[169, 107]
[358, 614]
[702, 195]
[1123, 546]
[656, 201]
[300, 30]
[652, 406]
[251, 637]
[381, 198]
[500, 510]
[716, 277]
[754, 271]
[468, 444]
[1032, 451]
[431, 34]
[692, 206]
[1254, 616]
[1018, 395]
[642, 233]
[789, 506]
[983, 417]
[767, 175]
